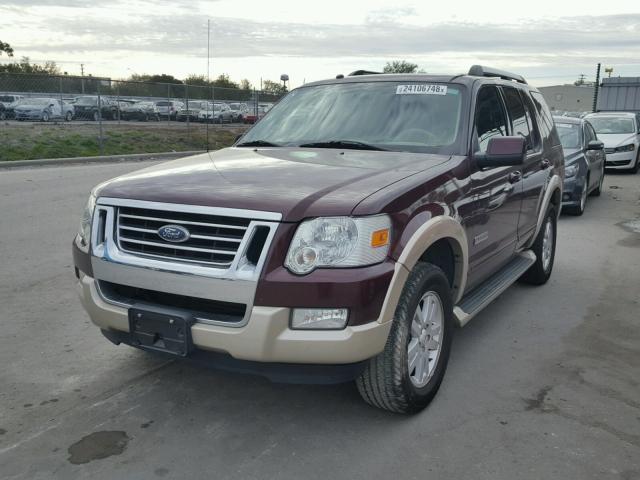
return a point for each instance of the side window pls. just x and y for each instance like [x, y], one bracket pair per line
[517, 114]
[491, 120]
[531, 120]
[547, 127]
[588, 134]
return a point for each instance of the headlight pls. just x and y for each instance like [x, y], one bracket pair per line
[84, 232]
[570, 171]
[339, 242]
[625, 148]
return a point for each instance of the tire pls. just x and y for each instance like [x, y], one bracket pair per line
[636, 166]
[579, 209]
[96, 116]
[45, 116]
[598, 190]
[540, 271]
[3, 116]
[68, 116]
[387, 381]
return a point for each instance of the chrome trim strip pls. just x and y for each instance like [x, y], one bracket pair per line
[188, 222]
[201, 237]
[177, 247]
[178, 207]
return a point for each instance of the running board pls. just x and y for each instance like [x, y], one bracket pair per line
[473, 303]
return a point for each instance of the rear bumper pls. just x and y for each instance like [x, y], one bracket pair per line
[266, 337]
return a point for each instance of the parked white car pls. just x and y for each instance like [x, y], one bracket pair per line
[9, 102]
[620, 132]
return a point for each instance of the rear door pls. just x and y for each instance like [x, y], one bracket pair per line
[521, 116]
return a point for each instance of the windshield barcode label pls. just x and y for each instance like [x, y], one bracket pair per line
[421, 89]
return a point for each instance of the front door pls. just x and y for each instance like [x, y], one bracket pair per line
[497, 194]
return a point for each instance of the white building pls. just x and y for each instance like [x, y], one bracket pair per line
[569, 98]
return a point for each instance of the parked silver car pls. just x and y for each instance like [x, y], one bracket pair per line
[620, 132]
[8, 102]
[43, 109]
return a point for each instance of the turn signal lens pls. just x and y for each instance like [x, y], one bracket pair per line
[380, 238]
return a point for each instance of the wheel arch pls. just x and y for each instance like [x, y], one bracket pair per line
[441, 241]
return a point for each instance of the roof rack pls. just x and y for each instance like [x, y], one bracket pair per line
[482, 71]
[363, 72]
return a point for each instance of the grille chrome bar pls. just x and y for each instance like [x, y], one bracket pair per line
[169, 220]
[202, 237]
[177, 247]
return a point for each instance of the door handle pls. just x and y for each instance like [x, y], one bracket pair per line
[515, 177]
[545, 164]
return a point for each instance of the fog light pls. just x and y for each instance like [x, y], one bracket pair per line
[319, 318]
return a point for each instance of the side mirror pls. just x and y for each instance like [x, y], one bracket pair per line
[502, 152]
[595, 145]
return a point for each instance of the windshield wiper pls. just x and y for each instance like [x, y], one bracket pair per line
[258, 143]
[352, 144]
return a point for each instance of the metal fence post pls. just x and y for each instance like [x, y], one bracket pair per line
[118, 100]
[168, 104]
[61, 100]
[100, 138]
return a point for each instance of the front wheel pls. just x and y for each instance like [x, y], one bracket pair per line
[598, 190]
[45, 116]
[545, 249]
[68, 116]
[405, 377]
[636, 166]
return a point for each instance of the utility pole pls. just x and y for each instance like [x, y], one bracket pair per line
[82, 75]
[595, 90]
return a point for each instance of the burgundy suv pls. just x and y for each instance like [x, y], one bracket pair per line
[343, 237]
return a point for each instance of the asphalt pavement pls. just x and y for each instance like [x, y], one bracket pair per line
[544, 384]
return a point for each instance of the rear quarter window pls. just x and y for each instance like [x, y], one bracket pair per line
[547, 125]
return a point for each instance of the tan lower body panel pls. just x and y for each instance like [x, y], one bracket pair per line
[265, 338]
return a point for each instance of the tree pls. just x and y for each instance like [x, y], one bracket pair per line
[25, 66]
[274, 88]
[223, 82]
[400, 66]
[197, 80]
[245, 84]
[6, 48]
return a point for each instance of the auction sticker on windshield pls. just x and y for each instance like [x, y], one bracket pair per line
[421, 89]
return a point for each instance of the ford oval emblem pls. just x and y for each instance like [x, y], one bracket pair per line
[174, 233]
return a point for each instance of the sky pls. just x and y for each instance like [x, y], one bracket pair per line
[548, 41]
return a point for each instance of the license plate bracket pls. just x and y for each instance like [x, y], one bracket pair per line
[161, 329]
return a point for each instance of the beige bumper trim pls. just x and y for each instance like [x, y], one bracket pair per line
[265, 338]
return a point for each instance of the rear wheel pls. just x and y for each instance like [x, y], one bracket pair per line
[96, 116]
[405, 377]
[45, 116]
[545, 249]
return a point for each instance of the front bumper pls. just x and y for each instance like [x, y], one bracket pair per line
[266, 337]
[622, 160]
[572, 190]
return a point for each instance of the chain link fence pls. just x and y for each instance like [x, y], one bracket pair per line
[44, 116]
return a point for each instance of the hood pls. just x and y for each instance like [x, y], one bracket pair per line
[612, 140]
[297, 183]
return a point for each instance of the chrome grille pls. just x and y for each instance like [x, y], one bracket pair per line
[214, 239]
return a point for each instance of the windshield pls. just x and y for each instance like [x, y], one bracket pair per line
[6, 98]
[416, 117]
[612, 125]
[87, 101]
[569, 135]
[36, 101]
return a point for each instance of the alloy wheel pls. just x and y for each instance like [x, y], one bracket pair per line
[425, 341]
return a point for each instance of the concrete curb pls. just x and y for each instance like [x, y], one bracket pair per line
[136, 157]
